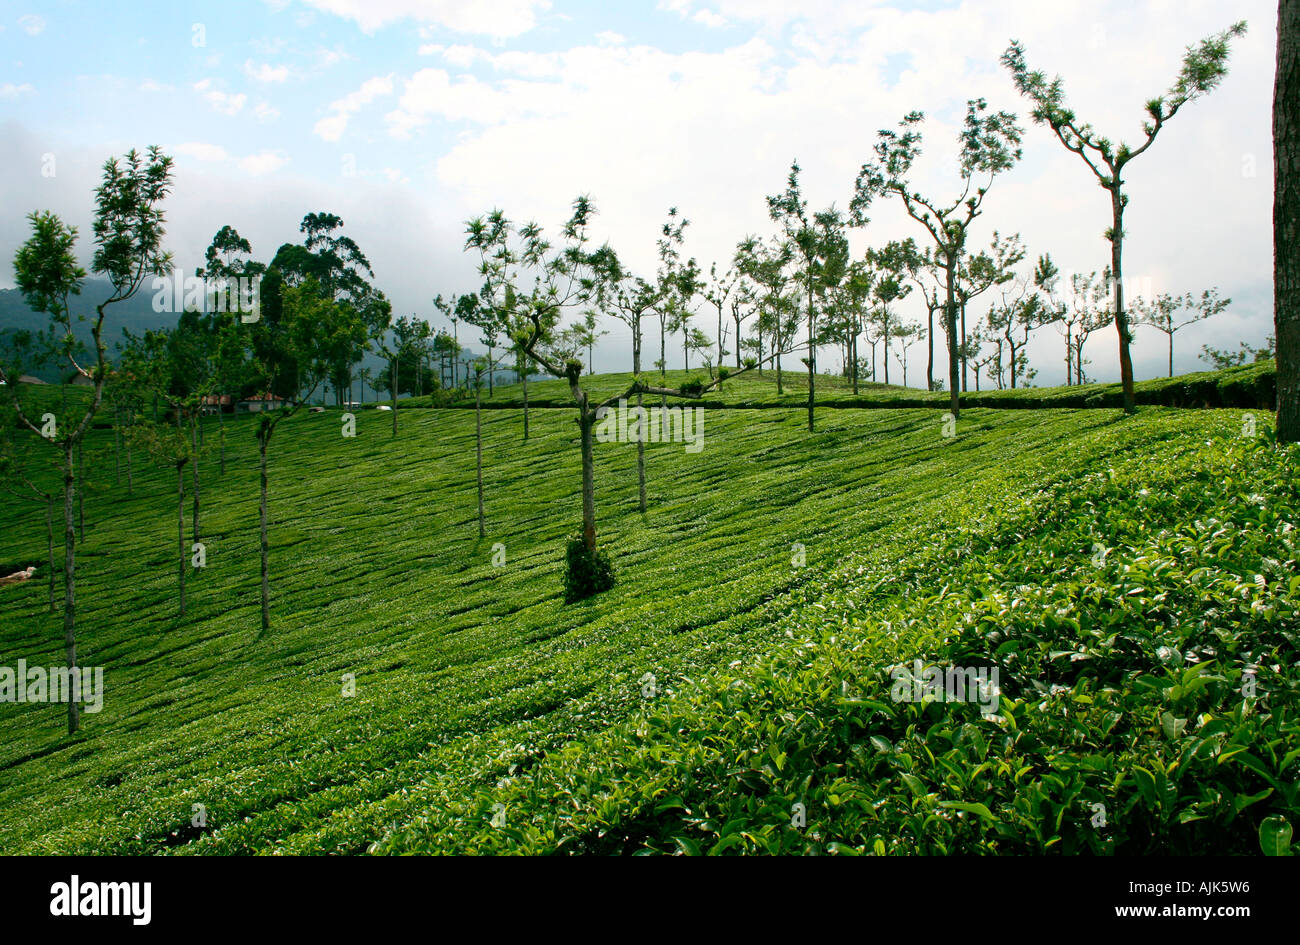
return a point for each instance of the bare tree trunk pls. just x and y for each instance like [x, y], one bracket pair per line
[180, 531]
[1121, 317]
[1171, 354]
[963, 351]
[394, 396]
[69, 581]
[950, 322]
[221, 425]
[1286, 221]
[265, 542]
[929, 363]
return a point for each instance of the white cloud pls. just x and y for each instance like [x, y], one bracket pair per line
[265, 112]
[709, 18]
[266, 162]
[332, 126]
[500, 19]
[9, 90]
[202, 151]
[610, 38]
[32, 24]
[265, 72]
[152, 85]
[223, 102]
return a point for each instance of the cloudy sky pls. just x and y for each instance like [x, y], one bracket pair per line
[406, 117]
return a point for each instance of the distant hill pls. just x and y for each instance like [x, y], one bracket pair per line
[135, 313]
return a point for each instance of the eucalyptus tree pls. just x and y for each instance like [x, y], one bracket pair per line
[1162, 313]
[1286, 220]
[631, 299]
[890, 264]
[990, 145]
[743, 305]
[721, 289]
[670, 279]
[765, 266]
[401, 344]
[128, 231]
[906, 335]
[1203, 69]
[478, 368]
[342, 274]
[1018, 313]
[845, 313]
[822, 249]
[293, 347]
[925, 276]
[978, 273]
[1086, 311]
[567, 277]
[224, 370]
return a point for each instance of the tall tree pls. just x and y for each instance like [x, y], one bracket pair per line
[296, 333]
[128, 231]
[1204, 66]
[1162, 313]
[990, 145]
[890, 265]
[822, 251]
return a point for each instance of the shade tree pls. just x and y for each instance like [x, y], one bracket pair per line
[1204, 67]
[989, 146]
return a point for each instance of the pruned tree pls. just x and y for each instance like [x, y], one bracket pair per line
[128, 232]
[1203, 69]
[990, 145]
[296, 333]
[1163, 313]
[890, 286]
[819, 244]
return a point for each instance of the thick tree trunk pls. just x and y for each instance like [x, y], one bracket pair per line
[963, 348]
[70, 582]
[929, 335]
[265, 542]
[950, 323]
[1121, 317]
[180, 533]
[1286, 220]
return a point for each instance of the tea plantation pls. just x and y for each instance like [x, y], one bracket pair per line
[1134, 581]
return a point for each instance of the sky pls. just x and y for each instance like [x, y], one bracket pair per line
[408, 117]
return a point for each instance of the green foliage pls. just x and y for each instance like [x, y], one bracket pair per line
[587, 572]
